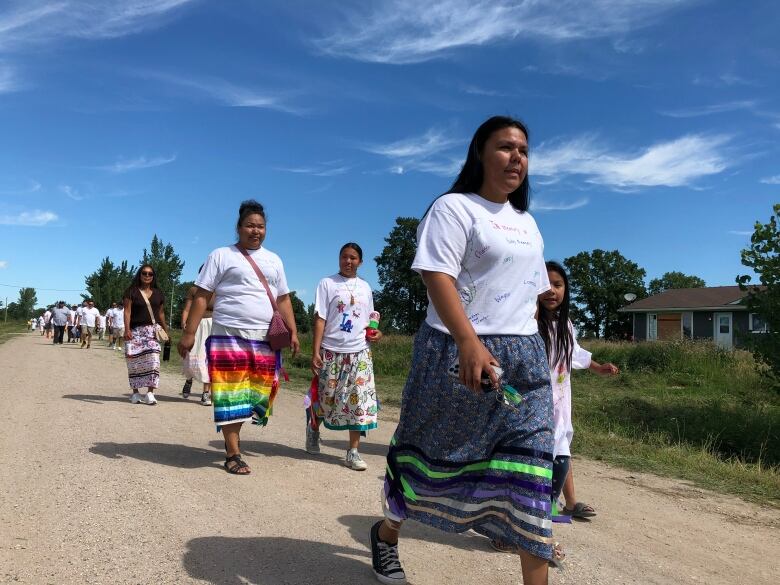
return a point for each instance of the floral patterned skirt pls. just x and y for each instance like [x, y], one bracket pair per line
[462, 460]
[346, 396]
[143, 358]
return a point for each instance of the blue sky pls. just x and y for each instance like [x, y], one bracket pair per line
[654, 126]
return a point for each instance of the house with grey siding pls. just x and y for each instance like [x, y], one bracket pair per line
[716, 313]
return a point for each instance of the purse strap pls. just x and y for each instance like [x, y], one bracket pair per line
[148, 306]
[259, 275]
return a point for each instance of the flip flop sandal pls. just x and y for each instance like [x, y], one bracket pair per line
[239, 464]
[580, 510]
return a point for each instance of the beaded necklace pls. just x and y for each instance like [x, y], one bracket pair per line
[352, 290]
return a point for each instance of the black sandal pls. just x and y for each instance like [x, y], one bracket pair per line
[239, 465]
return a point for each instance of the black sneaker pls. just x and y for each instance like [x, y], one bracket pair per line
[185, 391]
[384, 557]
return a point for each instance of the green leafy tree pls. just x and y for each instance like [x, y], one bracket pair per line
[763, 256]
[24, 307]
[179, 298]
[672, 280]
[402, 300]
[168, 268]
[107, 284]
[310, 313]
[302, 320]
[598, 280]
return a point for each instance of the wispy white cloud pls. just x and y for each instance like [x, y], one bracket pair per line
[675, 163]
[409, 31]
[33, 186]
[327, 169]
[35, 218]
[544, 205]
[71, 192]
[124, 165]
[773, 180]
[9, 80]
[740, 233]
[711, 109]
[427, 144]
[229, 94]
[430, 152]
[723, 80]
[3, 264]
[29, 22]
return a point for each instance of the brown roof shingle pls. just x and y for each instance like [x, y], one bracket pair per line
[690, 298]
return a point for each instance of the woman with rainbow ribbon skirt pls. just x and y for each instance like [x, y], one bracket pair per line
[475, 452]
[243, 369]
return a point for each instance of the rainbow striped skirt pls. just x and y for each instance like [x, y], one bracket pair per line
[244, 373]
[461, 460]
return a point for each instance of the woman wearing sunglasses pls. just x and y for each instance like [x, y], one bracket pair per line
[144, 307]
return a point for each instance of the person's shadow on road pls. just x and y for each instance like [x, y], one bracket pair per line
[98, 399]
[275, 561]
[173, 455]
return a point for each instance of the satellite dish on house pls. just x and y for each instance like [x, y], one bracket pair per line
[630, 297]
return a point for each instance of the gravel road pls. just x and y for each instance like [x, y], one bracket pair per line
[96, 490]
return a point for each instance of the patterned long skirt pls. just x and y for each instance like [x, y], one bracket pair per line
[346, 394]
[244, 373]
[143, 358]
[460, 460]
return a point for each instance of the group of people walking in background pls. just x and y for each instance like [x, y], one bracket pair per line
[483, 440]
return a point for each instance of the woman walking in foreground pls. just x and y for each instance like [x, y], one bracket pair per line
[144, 313]
[243, 369]
[475, 451]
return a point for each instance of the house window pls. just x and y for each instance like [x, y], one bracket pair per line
[652, 326]
[687, 325]
[757, 324]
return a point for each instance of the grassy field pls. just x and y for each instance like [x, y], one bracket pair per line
[10, 328]
[685, 410]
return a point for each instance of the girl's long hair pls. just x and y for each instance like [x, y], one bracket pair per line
[554, 325]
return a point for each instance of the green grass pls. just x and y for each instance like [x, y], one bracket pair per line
[683, 410]
[8, 329]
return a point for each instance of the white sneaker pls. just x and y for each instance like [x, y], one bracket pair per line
[354, 462]
[205, 399]
[149, 398]
[135, 398]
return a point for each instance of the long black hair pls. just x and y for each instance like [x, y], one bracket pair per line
[136, 284]
[556, 324]
[472, 174]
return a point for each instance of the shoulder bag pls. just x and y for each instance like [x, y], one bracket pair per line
[279, 335]
[162, 336]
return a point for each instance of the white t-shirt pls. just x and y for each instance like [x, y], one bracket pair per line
[345, 323]
[117, 317]
[240, 299]
[101, 321]
[496, 255]
[89, 316]
[560, 378]
[73, 317]
[47, 316]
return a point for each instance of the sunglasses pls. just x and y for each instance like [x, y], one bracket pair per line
[145, 273]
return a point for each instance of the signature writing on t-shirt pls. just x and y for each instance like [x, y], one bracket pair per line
[502, 227]
[502, 296]
[508, 260]
[530, 283]
[517, 241]
[482, 251]
[477, 318]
